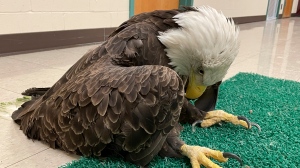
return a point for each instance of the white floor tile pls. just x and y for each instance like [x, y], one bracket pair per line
[14, 144]
[48, 158]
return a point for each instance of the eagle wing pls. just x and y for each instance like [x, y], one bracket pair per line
[102, 100]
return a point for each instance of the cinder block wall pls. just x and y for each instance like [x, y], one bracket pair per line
[22, 16]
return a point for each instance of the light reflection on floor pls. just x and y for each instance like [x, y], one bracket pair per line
[270, 48]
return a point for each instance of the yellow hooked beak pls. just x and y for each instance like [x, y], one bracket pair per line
[193, 90]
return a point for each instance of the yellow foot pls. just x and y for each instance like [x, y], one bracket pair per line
[217, 116]
[200, 156]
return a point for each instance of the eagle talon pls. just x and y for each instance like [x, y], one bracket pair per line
[200, 156]
[256, 125]
[233, 156]
[246, 120]
[250, 124]
[195, 123]
[217, 116]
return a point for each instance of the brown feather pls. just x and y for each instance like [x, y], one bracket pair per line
[90, 138]
[150, 100]
[99, 126]
[98, 149]
[57, 102]
[68, 143]
[77, 139]
[83, 113]
[120, 93]
[117, 109]
[85, 150]
[67, 106]
[135, 139]
[76, 125]
[106, 136]
[114, 127]
[63, 123]
[132, 96]
[146, 118]
[91, 113]
[97, 97]
[113, 117]
[145, 88]
[101, 108]
[113, 98]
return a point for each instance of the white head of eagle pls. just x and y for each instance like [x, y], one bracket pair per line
[203, 47]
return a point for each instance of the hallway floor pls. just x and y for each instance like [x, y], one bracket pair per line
[269, 48]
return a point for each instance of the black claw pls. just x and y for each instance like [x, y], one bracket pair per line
[246, 120]
[233, 156]
[256, 125]
[195, 123]
[250, 124]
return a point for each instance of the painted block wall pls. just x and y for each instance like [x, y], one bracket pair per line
[22, 16]
[295, 5]
[237, 8]
[241, 8]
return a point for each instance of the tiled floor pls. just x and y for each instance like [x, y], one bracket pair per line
[269, 48]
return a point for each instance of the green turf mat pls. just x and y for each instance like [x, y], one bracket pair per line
[272, 103]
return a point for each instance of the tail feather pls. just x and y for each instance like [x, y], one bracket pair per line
[25, 108]
[35, 92]
[17, 115]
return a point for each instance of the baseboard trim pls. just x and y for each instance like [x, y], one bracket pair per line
[249, 19]
[37, 41]
[295, 15]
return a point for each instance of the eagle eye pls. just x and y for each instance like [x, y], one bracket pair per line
[201, 71]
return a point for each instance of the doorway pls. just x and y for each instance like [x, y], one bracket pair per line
[273, 9]
[140, 6]
[287, 10]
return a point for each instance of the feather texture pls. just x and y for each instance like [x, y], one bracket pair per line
[122, 95]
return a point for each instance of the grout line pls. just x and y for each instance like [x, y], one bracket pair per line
[27, 157]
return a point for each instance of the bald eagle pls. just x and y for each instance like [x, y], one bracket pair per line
[128, 95]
